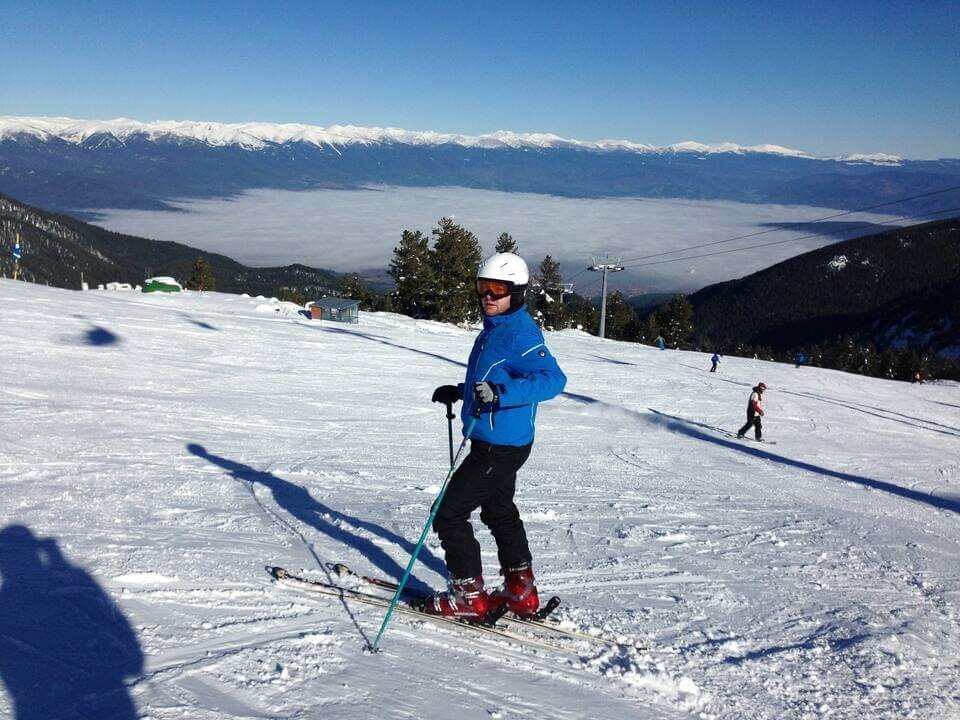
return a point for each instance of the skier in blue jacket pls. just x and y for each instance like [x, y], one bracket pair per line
[509, 372]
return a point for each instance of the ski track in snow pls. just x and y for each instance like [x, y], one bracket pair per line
[160, 450]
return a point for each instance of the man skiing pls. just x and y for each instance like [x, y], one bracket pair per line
[509, 372]
[754, 413]
[716, 361]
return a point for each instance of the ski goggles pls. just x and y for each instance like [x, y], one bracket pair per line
[496, 289]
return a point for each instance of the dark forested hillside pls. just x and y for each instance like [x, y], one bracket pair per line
[58, 248]
[898, 288]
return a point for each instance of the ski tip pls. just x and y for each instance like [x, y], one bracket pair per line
[277, 572]
[339, 568]
[552, 604]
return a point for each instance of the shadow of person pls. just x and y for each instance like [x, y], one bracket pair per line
[65, 647]
[298, 502]
[99, 336]
[686, 427]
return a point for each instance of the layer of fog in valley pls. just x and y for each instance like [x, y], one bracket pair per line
[349, 230]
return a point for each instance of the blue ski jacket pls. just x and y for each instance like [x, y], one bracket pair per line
[510, 353]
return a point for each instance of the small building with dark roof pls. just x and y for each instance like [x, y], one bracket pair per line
[336, 309]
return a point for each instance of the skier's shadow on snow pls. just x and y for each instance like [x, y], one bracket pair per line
[100, 336]
[383, 341]
[687, 427]
[376, 338]
[879, 412]
[66, 650]
[298, 502]
[198, 323]
[612, 361]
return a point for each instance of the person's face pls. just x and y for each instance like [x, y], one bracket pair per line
[494, 296]
[493, 307]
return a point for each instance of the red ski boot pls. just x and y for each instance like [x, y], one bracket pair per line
[519, 592]
[465, 598]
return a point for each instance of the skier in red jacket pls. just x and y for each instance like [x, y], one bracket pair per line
[754, 413]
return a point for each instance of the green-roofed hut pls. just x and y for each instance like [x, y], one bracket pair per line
[161, 284]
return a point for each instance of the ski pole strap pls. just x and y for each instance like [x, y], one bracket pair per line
[423, 538]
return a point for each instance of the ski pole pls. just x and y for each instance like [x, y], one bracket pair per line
[423, 535]
[450, 417]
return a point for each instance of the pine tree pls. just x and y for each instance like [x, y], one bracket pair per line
[620, 317]
[888, 364]
[506, 243]
[909, 364]
[355, 289]
[456, 257]
[847, 355]
[288, 294]
[582, 314]
[202, 276]
[547, 305]
[652, 328]
[412, 271]
[676, 321]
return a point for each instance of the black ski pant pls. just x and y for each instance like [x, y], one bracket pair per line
[486, 479]
[754, 421]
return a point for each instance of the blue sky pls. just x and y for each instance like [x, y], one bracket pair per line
[825, 77]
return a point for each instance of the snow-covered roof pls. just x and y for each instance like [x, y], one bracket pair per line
[336, 303]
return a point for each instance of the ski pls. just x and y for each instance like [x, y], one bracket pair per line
[300, 582]
[540, 623]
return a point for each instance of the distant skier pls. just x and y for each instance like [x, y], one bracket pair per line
[509, 372]
[800, 359]
[754, 413]
[716, 361]
[661, 343]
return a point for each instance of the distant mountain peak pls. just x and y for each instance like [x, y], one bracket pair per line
[872, 159]
[728, 147]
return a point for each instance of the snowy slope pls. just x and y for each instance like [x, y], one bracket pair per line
[157, 451]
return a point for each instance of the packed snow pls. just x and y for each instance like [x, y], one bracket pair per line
[157, 451]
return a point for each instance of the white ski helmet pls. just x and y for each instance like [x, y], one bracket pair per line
[505, 266]
[509, 268]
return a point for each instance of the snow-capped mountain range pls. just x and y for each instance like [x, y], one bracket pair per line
[81, 165]
[258, 135]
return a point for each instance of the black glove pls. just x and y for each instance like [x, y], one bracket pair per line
[446, 394]
[486, 393]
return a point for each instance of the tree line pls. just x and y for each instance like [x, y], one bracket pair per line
[434, 274]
